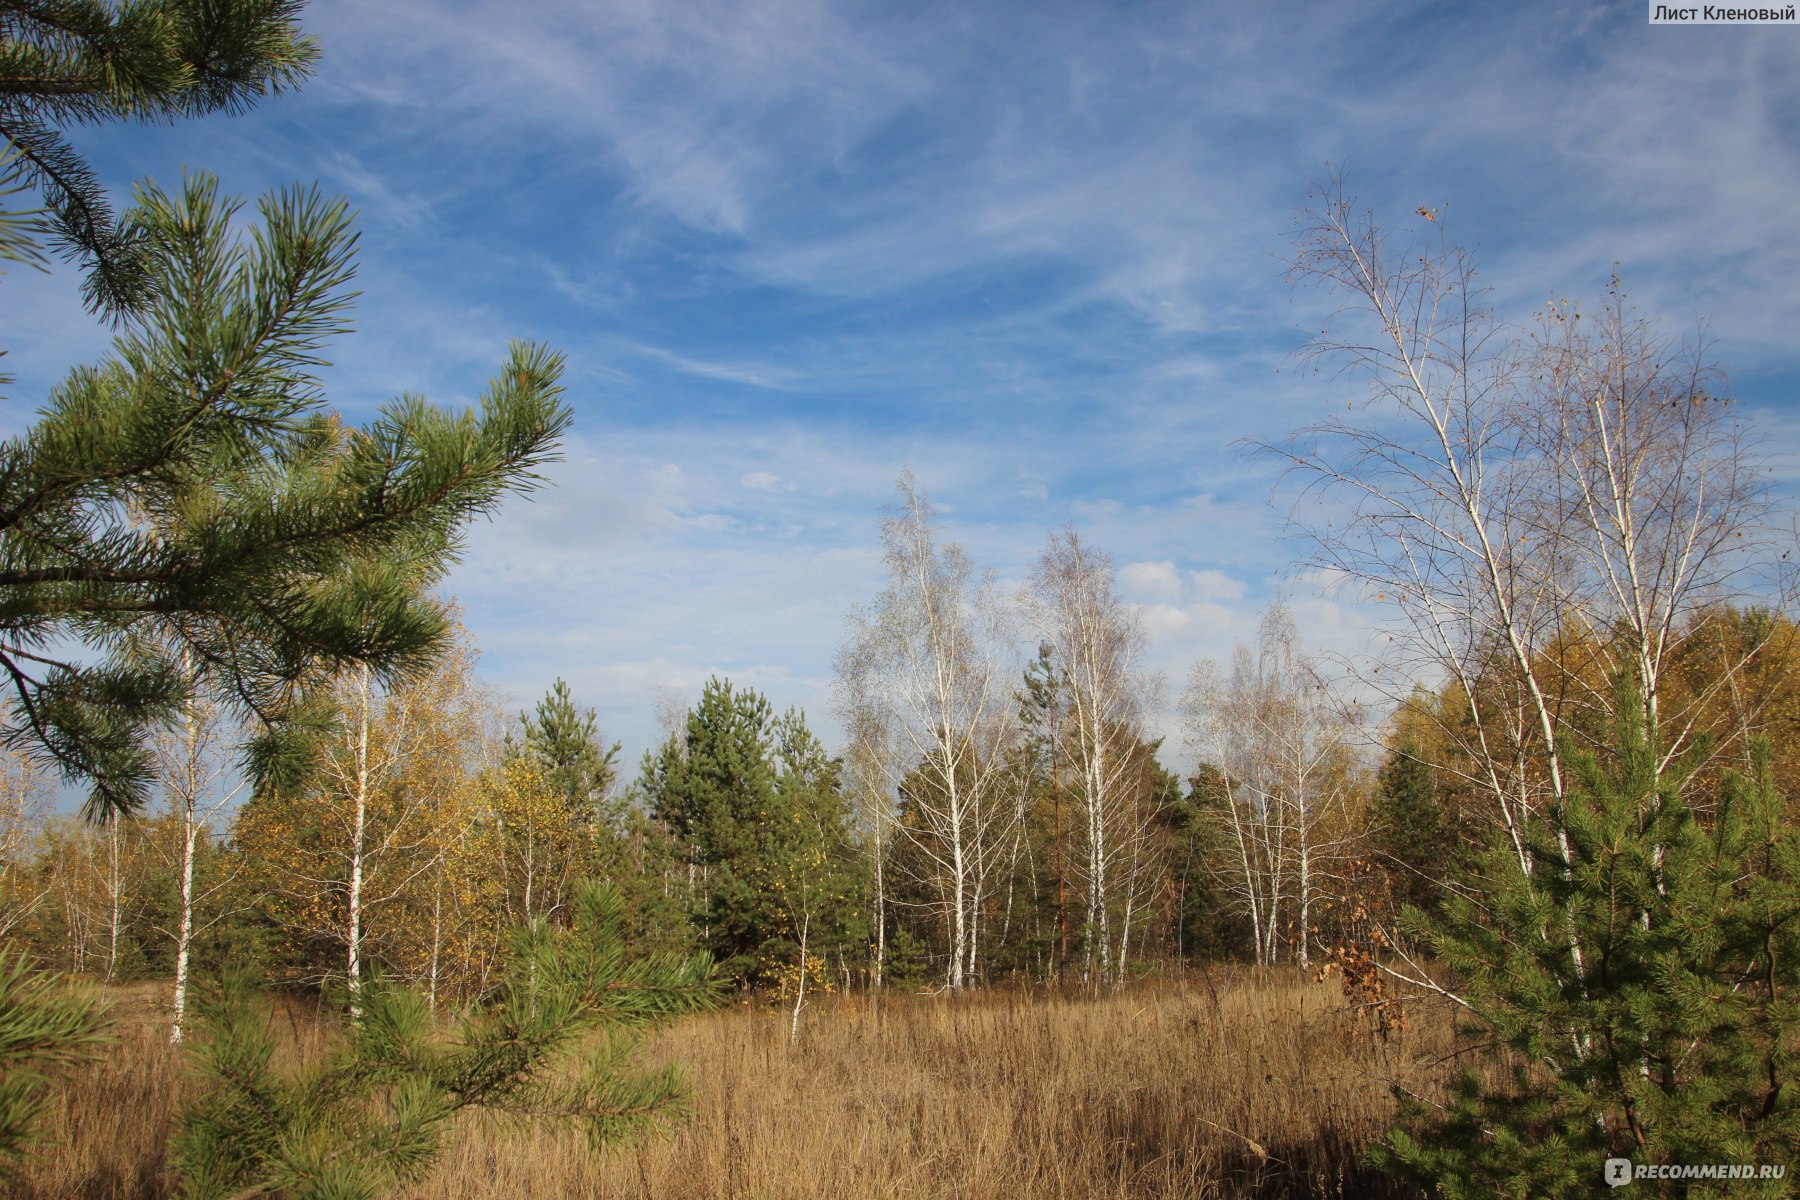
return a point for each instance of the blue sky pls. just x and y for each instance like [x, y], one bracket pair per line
[1034, 252]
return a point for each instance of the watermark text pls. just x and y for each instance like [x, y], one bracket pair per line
[1621, 1171]
[1721, 14]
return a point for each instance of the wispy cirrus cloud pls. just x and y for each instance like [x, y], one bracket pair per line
[1034, 252]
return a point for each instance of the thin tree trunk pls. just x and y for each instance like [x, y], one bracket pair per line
[1131, 895]
[959, 930]
[189, 783]
[1253, 890]
[1305, 896]
[1098, 928]
[1062, 881]
[437, 936]
[800, 991]
[114, 886]
[184, 933]
[971, 972]
[353, 960]
[880, 909]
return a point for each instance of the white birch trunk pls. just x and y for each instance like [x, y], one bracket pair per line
[437, 936]
[800, 989]
[115, 887]
[184, 933]
[358, 837]
[880, 910]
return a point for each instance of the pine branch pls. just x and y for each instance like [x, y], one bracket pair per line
[46, 1027]
[373, 1117]
[194, 493]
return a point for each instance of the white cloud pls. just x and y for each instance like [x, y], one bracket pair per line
[1039, 260]
[1164, 620]
[766, 481]
[1215, 585]
[700, 104]
[751, 374]
[1158, 579]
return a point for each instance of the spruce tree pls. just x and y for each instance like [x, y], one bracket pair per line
[372, 1118]
[191, 499]
[1672, 1037]
[84, 62]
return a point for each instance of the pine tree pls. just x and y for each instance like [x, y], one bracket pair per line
[756, 802]
[1212, 926]
[713, 787]
[192, 495]
[1674, 1037]
[569, 750]
[46, 1026]
[1417, 846]
[83, 62]
[806, 860]
[372, 1118]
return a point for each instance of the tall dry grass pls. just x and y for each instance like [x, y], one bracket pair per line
[108, 1125]
[1239, 1083]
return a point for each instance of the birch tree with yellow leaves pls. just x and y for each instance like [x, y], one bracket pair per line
[22, 793]
[366, 834]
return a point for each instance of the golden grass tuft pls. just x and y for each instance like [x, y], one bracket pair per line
[1236, 1083]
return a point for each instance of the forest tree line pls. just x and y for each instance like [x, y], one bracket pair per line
[435, 824]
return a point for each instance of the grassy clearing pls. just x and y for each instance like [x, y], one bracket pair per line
[1236, 1083]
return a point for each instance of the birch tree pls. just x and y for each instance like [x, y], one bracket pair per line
[869, 792]
[931, 663]
[1657, 499]
[1549, 510]
[1098, 643]
[369, 831]
[82, 889]
[1280, 741]
[123, 843]
[22, 795]
[62, 871]
[539, 841]
[199, 781]
[1509, 492]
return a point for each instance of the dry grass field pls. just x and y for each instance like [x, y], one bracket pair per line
[1236, 1083]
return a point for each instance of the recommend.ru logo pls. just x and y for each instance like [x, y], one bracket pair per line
[1621, 1171]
